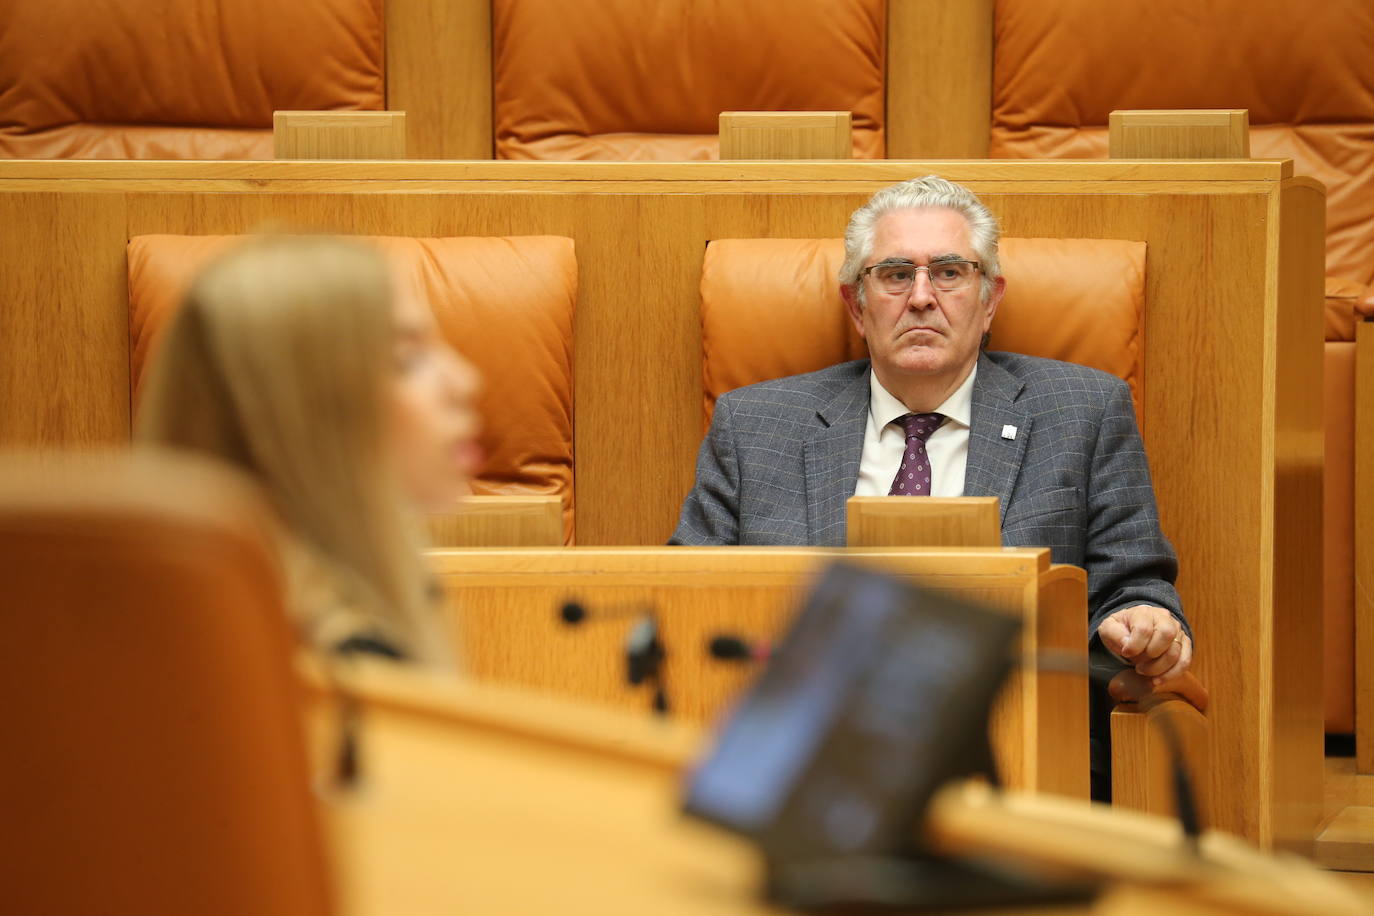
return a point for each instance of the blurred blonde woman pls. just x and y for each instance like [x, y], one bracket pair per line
[294, 358]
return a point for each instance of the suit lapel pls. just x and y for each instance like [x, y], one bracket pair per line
[832, 452]
[994, 461]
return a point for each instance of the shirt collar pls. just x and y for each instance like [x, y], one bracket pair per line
[884, 408]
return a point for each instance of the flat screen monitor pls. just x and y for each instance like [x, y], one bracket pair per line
[878, 694]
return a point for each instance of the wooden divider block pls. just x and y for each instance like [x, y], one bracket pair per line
[339, 134]
[1143, 764]
[785, 135]
[1222, 133]
[501, 521]
[893, 521]
[1364, 547]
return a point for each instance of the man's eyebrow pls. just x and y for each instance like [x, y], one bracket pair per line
[894, 262]
[947, 257]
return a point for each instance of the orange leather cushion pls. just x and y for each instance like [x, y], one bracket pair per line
[1063, 65]
[155, 79]
[772, 307]
[154, 760]
[1338, 530]
[648, 79]
[504, 303]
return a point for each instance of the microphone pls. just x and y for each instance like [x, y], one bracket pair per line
[574, 612]
[731, 648]
[644, 651]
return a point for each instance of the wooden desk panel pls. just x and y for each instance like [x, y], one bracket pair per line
[505, 606]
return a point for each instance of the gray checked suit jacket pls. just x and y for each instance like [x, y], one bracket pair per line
[782, 457]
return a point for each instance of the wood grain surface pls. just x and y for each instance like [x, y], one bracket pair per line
[1193, 134]
[1143, 765]
[1364, 546]
[939, 78]
[964, 521]
[438, 71]
[500, 521]
[339, 134]
[785, 135]
[506, 607]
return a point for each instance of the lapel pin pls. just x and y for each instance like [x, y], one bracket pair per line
[1008, 432]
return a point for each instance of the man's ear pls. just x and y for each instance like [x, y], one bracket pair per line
[852, 305]
[999, 289]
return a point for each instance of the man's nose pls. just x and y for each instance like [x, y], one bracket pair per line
[922, 293]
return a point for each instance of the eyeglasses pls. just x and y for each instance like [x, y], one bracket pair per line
[900, 276]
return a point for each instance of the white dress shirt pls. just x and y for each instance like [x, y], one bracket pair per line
[885, 441]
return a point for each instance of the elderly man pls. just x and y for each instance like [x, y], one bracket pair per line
[931, 414]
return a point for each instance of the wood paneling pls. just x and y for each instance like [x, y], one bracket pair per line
[339, 134]
[438, 71]
[64, 320]
[1196, 134]
[939, 78]
[1294, 446]
[965, 521]
[1078, 176]
[1143, 764]
[1235, 462]
[506, 606]
[1364, 546]
[1060, 696]
[500, 521]
[785, 135]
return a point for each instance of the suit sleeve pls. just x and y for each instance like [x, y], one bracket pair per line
[1128, 559]
[710, 514]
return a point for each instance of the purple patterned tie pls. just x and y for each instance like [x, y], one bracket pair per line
[913, 477]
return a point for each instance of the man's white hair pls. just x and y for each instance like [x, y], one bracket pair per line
[930, 191]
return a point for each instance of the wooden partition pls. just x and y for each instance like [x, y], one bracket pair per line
[1233, 338]
[506, 608]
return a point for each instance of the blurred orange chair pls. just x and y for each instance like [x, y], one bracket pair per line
[504, 303]
[154, 758]
[1063, 65]
[165, 79]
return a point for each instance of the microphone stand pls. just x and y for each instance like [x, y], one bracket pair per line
[645, 651]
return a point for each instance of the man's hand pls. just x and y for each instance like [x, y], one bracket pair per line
[1150, 640]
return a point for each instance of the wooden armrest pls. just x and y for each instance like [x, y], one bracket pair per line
[1129, 687]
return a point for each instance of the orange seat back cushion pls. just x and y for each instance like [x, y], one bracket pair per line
[648, 79]
[164, 79]
[504, 303]
[1062, 66]
[772, 307]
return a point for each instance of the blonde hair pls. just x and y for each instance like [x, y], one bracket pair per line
[277, 362]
